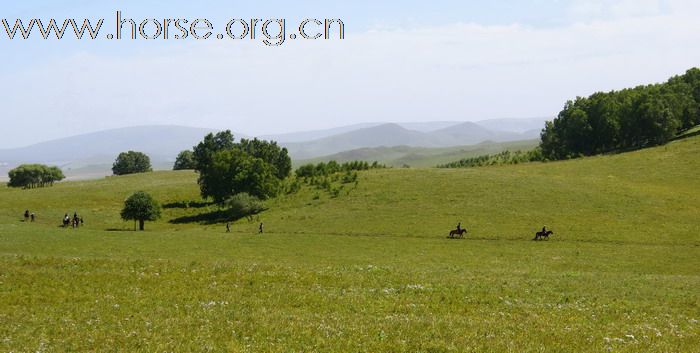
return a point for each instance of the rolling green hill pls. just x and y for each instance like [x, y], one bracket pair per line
[422, 157]
[370, 270]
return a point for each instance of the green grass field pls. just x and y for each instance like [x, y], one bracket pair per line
[370, 270]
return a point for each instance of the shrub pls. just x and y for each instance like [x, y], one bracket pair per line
[244, 205]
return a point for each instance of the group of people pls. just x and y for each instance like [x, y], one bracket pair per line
[29, 216]
[74, 222]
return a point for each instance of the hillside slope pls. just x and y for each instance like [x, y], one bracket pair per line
[372, 270]
[644, 196]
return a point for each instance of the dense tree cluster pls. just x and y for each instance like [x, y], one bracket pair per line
[185, 161]
[131, 162]
[630, 118]
[505, 157]
[34, 175]
[227, 168]
[333, 167]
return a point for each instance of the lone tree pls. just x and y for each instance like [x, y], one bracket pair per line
[141, 207]
[131, 162]
[31, 176]
[185, 161]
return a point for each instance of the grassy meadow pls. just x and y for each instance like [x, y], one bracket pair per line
[370, 270]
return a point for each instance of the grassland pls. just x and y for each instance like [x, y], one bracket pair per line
[370, 270]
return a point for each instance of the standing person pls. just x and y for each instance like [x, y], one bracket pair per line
[228, 227]
[32, 216]
[261, 227]
[26, 215]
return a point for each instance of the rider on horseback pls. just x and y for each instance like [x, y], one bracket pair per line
[459, 227]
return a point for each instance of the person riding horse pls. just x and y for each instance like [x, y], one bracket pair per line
[544, 234]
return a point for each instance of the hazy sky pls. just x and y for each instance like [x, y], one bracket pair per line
[401, 61]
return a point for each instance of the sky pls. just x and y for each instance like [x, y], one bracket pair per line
[400, 61]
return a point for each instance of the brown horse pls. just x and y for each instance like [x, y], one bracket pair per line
[457, 233]
[543, 235]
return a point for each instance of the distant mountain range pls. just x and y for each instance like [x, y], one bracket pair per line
[390, 135]
[93, 153]
[421, 157]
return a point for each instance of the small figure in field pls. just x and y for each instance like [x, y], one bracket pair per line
[66, 220]
[228, 227]
[459, 232]
[261, 228]
[26, 215]
[82, 221]
[32, 217]
[544, 234]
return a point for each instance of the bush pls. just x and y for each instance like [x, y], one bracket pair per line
[244, 205]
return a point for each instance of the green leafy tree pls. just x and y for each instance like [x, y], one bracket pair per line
[234, 171]
[185, 161]
[141, 207]
[269, 152]
[212, 143]
[30, 176]
[227, 168]
[131, 162]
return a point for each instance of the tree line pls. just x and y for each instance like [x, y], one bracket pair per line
[627, 119]
[332, 167]
[505, 157]
[31, 176]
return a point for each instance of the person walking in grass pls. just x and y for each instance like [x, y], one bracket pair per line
[228, 227]
[261, 228]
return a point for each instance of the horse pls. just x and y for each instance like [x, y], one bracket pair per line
[457, 233]
[540, 235]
